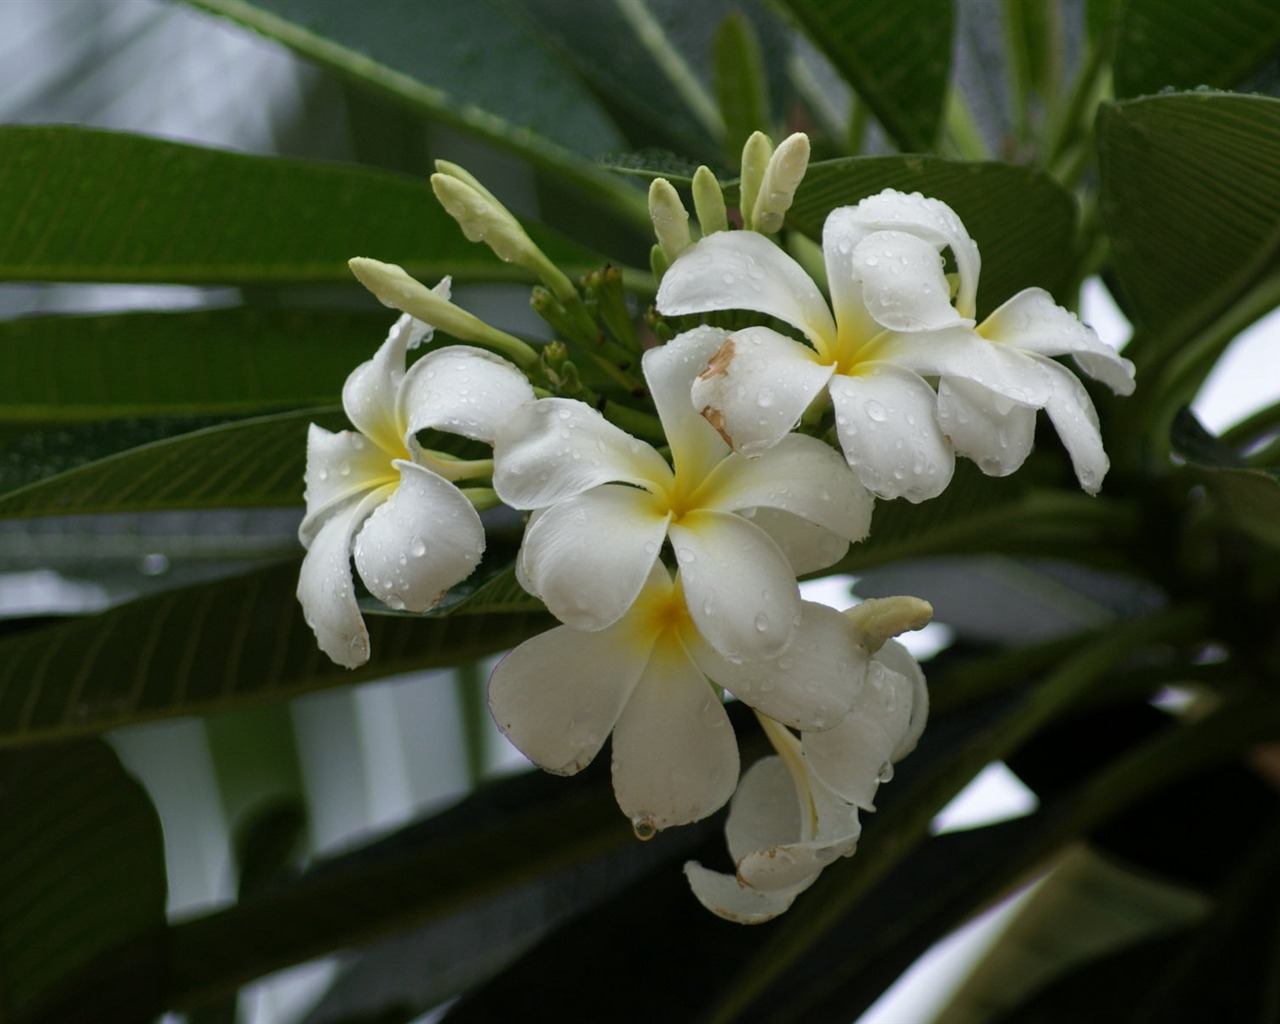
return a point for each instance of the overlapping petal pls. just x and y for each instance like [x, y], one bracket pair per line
[807, 547]
[903, 287]
[669, 369]
[996, 435]
[462, 390]
[340, 466]
[370, 391]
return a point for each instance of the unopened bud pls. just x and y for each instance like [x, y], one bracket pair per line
[755, 161]
[670, 218]
[882, 618]
[708, 202]
[782, 177]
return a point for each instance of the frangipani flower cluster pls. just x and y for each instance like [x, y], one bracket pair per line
[672, 566]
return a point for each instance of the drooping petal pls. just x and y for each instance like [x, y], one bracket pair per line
[935, 222]
[670, 371]
[895, 657]
[888, 429]
[675, 757]
[325, 588]
[370, 392]
[588, 556]
[462, 390]
[962, 352]
[744, 270]
[811, 685]
[807, 547]
[800, 475]
[765, 810]
[339, 466]
[970, 415]
[1071, 411]
[1033, 322]
[903, 284]
[757, 387]
[728, 898]
[740, 590]
[552, 449]
[558, 695]
[853, 758]
[418, 543]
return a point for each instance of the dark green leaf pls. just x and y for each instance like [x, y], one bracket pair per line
[1191, 203]
[895, 55]
[82, 887]
[1023, 221]
[1164, 45]
[61, 369]
[210, 648]
[84, 205]
[741, 86]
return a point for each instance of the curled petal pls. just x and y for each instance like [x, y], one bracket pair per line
[903, 284]
[757, 387]
[889, 431]
[675, 757]
[1033, 322]
[895, 657]
[370, 393]
[558, 695]
[552, 449]
[800, 475]
[744, 270]
[962, 352]
[588, 556]
[339, 467]
[418, 543]
[462, 390]
[811, 685]
[739, 587]
[970, 415]
[1071, 411]
[929, 219]
[325, 588]
[670, 371]
[728, 898]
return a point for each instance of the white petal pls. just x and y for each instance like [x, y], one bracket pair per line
[888, 428]
[370, 392]
[418, 543]
[969, 414]
[728, 898]
[1071, 411]
[744, 270]
[853, 758]
[811, 685]
[558, 695]
[588, 556]
[462, 390]
[740, 590]
[339, 467]
[765, 811]
[558, 447]
[670, 371]
[758, 386]
[675, 757]
[801, 475]
[962, 352]
[903, 284]
[930, 219]
[808, 548]
[895, 657]
[1033, 322]
[325, 588]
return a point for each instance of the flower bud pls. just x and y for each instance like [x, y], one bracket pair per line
[882, 618]
[755, 161]
[708, 201]
[782, 177]
[670, 218]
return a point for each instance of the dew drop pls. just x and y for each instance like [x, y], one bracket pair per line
[644, 828]
[875, 411]
[344, 468]
[762, 622]
[885, 774]
[417, 547]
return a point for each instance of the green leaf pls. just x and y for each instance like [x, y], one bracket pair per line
[63, 369]
[1023, 221]
[741, 86]
[209, 648]
[1247, 498]
[82, 887]
[896, 56]
[470, 65]
[247, 464]
[1191, 202]
[84, 205]
[1164, 45]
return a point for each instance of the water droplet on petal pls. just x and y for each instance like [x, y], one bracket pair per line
[644, 827]
[762, 622]
[875, 411]
[417, 548]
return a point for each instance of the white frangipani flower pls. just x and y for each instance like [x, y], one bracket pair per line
[605, 503]
[894, 325]
[798, 812]
[376, 493]
[645, 678]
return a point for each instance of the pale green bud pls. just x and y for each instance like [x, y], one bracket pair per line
[782, 177]
[670, 218]
[755, 161]
[708, 201]
[882, 618]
